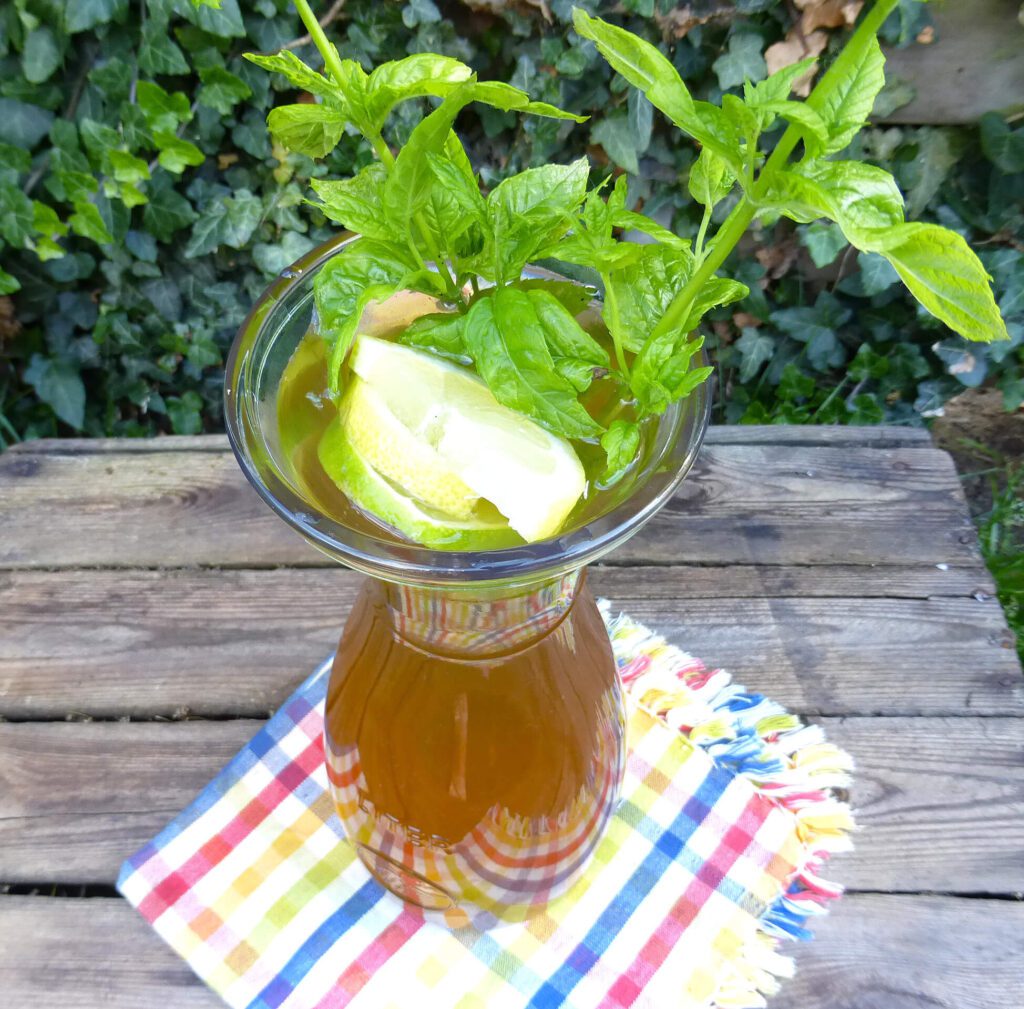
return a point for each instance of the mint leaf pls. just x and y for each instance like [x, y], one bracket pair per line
[510, 99]
[644, 288]
[621, 442]
[365, 271]
[642, 65]
[777, 86]
[710, 178]
[290, 66]
[717, 291]
[413, 77]
[661, 372]
[845, 107]
[530, 210]
[575, 353]
[506, 339]
[59, 385]
[439, 332]
[942, 272]
[313, 130]
[357, 203]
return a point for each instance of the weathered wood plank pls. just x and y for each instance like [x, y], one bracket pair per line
[882, 436]
[973, 67]
[940, 801]
[145, 643]
[742, 504]
[871, 952]
[911, 952]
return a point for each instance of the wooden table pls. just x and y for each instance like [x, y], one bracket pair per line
[152, 610]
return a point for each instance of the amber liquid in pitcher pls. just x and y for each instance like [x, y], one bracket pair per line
[475, 746]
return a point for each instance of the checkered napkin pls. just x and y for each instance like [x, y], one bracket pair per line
[254, 886]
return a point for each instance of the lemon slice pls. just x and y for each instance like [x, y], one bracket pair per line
[377, 495]
[400, 455]
[531, 476]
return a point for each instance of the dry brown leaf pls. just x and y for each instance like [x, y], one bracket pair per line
[829, 14]
[679, 21]
[743, 320]
[792, 49]
[9, 325]
[927, 35]
[778, 258]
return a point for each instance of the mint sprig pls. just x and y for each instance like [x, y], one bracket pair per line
[425, 224]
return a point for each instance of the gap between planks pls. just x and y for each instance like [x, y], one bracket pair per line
[940, 801]
[218, 643]
[870, 952]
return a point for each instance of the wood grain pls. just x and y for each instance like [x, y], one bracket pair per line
[973, 67]
[144, 643]
[940, 801]
[872, 952]
[882, 436]
[742, 504]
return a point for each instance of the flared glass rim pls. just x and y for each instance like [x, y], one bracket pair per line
[411, 563]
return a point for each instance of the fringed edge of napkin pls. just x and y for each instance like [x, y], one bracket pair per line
[785, 760]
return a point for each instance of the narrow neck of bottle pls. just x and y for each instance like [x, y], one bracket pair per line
[474, 621]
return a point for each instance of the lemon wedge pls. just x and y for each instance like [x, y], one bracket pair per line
[437, 432]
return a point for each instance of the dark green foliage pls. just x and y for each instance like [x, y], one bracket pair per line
[152, 206]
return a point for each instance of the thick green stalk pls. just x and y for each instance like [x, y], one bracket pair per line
[744, 212]
[316, 33]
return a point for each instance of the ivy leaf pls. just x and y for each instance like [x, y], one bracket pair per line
[15, 216]
[313, 130]
[221, 89]
[176, 154]
[274, 257]
[224, 20]
[127, 168]
[1002, 146]
[167, 211]
[621, 442]
[8, 284]
[81, 15]
[744, 61]
[506, 340]
[816, 326]
[877, 274]
[756, 349]
[158, 53]
[185, 413]
[23, 125]
[824, 241]
[615, 134]
[40, 56]
[13, 163]
[59, 385]
[87, 222]
[164, 111]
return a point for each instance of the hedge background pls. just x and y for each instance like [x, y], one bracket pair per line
[143, 208]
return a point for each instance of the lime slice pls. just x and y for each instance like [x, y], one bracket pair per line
[530, 475]
[400, 455]
[381, 498]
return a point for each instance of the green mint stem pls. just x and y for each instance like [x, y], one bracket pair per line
[316, 33]
[744, 212]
